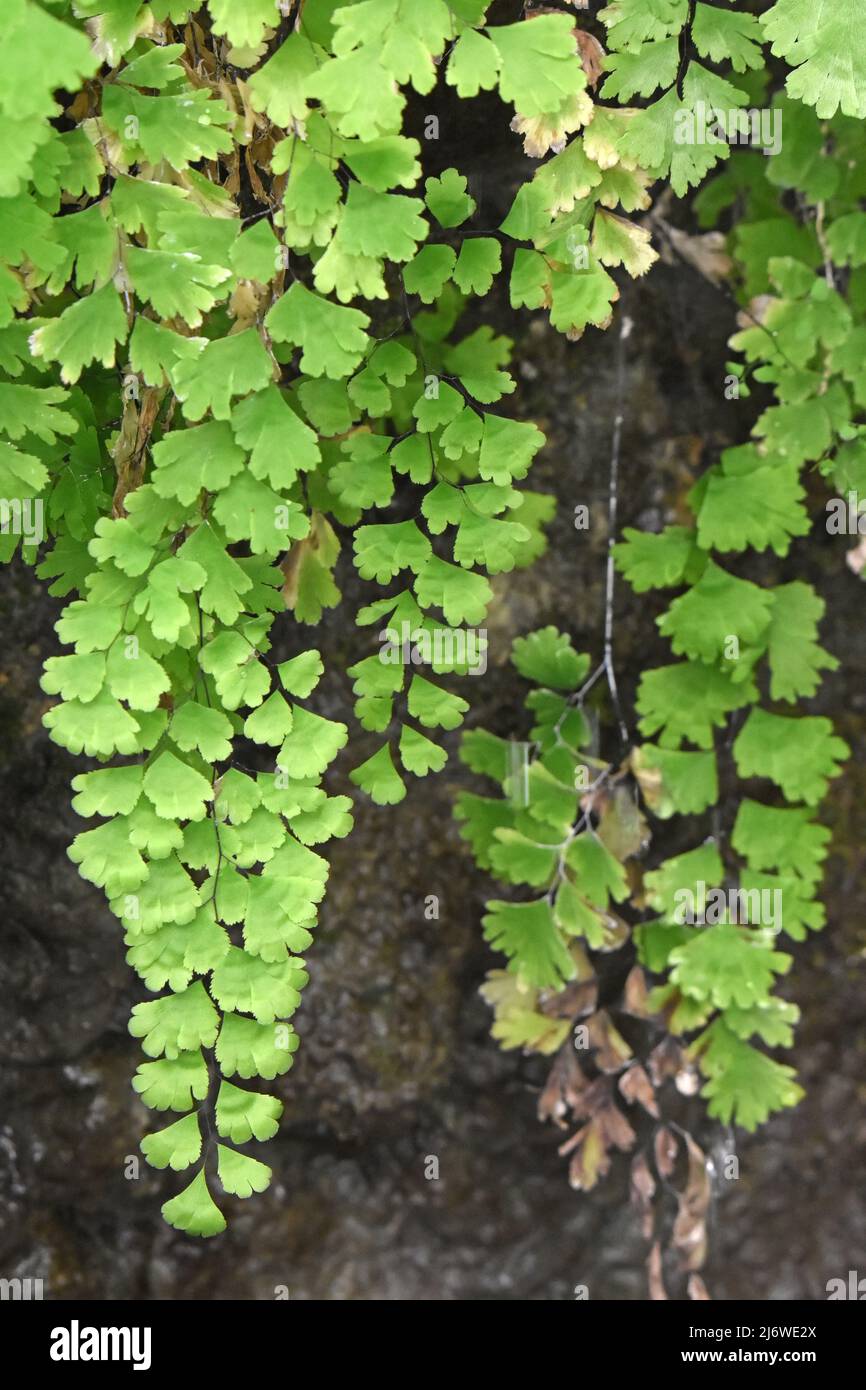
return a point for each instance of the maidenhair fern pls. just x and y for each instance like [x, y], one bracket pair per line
[232, 295]
[201, 402]
[709, 923]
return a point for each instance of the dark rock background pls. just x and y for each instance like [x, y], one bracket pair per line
[396, 1063]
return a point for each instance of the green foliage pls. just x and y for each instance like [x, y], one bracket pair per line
[214, 360]
[556, 829]
[740, 645]
[258, 409]
[825, 46]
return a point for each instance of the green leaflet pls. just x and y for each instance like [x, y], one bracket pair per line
[88, 331]
[799, 755]
[743, 1084]
[825, 49]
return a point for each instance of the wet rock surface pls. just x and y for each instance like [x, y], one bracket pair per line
[396, 1065]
